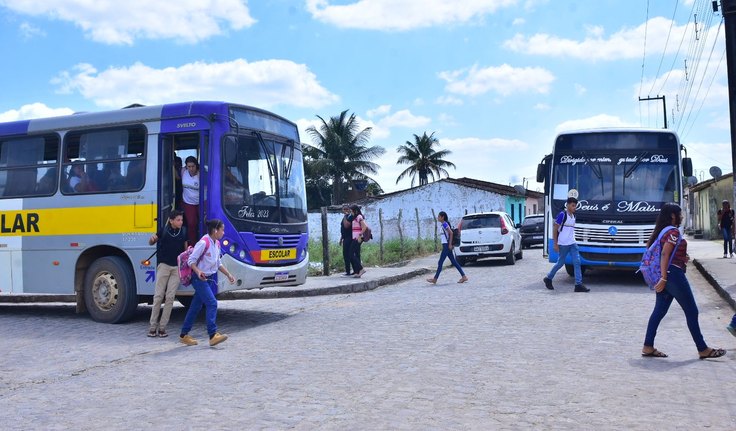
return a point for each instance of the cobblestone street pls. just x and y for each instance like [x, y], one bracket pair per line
[499, 352]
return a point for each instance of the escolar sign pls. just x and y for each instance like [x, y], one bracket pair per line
[16, 223]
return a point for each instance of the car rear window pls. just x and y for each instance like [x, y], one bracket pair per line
[530, 221]
[481, 221]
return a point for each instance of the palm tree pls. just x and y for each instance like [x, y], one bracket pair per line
[424, 161]
[341, 152]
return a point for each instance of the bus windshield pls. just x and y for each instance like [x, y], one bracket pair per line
[263, 179]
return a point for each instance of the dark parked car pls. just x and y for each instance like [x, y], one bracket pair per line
[532, 230]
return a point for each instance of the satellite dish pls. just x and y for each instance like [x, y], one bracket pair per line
[692, 180]
[520, 189]
[715, 172]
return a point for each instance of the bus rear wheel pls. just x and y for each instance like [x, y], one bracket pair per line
[109, 290]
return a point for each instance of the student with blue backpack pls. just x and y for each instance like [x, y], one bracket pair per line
[564, 243]
[448, 241]
[673, 284]
[205, 261]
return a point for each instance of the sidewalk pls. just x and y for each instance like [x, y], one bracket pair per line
[335, 284]
[721, 273]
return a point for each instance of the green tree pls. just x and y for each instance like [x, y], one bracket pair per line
[340, 152]
[423, 160]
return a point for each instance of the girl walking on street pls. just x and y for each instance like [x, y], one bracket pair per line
[447, 250]
[359, 228]
[673, 284]
[205, 261]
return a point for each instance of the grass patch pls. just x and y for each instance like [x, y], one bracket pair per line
[394, 252]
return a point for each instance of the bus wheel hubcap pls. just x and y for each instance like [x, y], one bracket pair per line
[105, 291]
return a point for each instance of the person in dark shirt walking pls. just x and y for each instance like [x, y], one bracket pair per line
[726, 225]
[346, 237]
[170, 241]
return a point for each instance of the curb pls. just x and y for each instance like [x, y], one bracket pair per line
[362, 286]
[713, 282]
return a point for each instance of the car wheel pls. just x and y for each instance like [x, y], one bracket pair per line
[511, 257]
[520, 254]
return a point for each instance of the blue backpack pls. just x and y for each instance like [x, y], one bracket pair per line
[650, 267]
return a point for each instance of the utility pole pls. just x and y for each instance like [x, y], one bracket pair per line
[728, 9]
[664, 104]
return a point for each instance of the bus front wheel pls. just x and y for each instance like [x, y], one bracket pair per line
[571, 270]
[109, 290]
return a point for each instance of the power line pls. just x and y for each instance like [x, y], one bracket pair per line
[664, 50]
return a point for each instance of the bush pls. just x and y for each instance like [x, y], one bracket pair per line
[370, 253]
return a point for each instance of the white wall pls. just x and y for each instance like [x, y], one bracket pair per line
[454, 199]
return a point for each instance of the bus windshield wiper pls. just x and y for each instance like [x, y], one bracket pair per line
[596, 168]
[290, 160]
[636, 164]
[269, 162]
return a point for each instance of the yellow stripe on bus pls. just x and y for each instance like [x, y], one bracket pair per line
[112, 219]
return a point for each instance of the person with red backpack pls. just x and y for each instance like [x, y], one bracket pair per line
[674, 285]
[205, 261]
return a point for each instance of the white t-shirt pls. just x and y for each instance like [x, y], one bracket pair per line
[190, 187]
[566, 235]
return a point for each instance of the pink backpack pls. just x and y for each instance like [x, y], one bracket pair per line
[650, 267]
[185, 271]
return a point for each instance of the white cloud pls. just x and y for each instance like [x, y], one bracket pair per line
[596, 121]
[542, 107]
[404, 118]
[33, 110]
[449, 100]
[379, 111]
[264, 83]
[401, 15]
[115, 22]
[519, 21]
[504, 80]
[580, 90]
[627, 43]
[29, 31]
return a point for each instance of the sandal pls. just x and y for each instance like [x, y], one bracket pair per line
[714, 353]
[463, 279]
[654, 354]
[152, 333]
[162, 333]
[432, 280]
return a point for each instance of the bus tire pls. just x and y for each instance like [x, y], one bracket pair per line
[109, 290]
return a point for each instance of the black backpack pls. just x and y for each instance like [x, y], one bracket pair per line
[455, 235]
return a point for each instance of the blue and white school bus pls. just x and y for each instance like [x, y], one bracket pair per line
[621, 178]
[91, 244]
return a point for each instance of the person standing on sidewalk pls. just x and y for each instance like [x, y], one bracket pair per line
[726, 225]
[564, 244]
[358, 228]
[346, 237]
[674, 285]
[447, 251]
[205, 261]
[170, 241]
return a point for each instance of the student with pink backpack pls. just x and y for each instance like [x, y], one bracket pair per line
[673, 284]
[204, 262]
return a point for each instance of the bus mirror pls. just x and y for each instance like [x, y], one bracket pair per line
[687, 167]
[541, 172]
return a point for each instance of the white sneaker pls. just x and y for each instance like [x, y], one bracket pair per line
[725, 255]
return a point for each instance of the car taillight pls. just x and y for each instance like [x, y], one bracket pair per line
[504, 229]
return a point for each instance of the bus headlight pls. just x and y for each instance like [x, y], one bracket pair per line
[241, 255]
[232, 249]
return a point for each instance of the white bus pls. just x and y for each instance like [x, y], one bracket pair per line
[621, 178]
[90, 245]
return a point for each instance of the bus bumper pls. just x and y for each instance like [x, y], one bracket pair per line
[593, 256]
[259, 277]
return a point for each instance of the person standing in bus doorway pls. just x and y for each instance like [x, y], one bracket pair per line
[190, 196]
[673, 284]
[170, 241]
[346, 237]
[564, 244]
[205, 261]
[178, 192]
[726, 225]
[447, 251]
[358, 228]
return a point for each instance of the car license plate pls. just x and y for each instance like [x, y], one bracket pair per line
[537, 237]
[278, 254]
[480, 248]
[281, 276]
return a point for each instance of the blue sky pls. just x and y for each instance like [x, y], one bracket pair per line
[495, 80]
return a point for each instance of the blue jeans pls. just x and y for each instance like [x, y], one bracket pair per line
[727, 237]
[678, 288]
[574, 252]
[446, 252]
[203, 295]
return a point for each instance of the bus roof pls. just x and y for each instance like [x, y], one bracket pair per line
[616, 130]
[133, 114]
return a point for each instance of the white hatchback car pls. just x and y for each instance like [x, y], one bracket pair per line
[488, 234]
